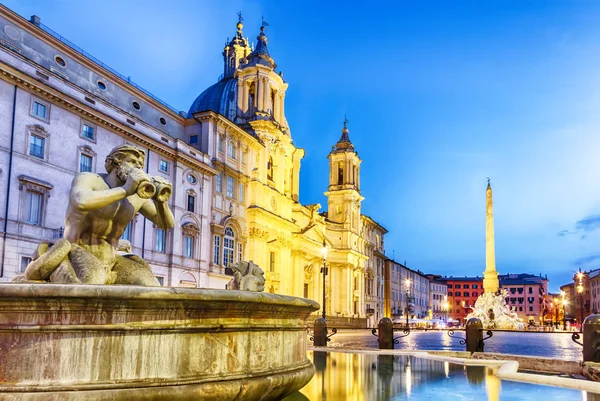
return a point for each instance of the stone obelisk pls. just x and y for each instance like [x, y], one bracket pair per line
[490, 276]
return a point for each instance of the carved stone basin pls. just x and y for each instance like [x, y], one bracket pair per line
[122, 342]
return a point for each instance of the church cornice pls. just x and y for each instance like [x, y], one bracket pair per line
[233, 129]
[52, 95]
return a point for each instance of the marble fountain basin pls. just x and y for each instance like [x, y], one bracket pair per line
[110, 342]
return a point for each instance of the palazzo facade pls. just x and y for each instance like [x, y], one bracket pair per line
[232, 161]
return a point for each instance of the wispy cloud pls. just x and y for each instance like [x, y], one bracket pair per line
[585, 260]
[583, 226]
[588, 224]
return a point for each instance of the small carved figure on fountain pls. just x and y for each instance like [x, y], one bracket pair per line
[99, 210]
[247, 276]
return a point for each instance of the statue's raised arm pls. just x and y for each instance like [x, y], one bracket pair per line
[100, 208]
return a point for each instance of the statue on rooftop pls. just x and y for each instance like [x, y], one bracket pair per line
[100, 208]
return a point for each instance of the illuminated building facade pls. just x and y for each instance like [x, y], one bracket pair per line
[234, 167]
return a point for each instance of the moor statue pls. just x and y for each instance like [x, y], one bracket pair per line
[100, 208]
[247, 276]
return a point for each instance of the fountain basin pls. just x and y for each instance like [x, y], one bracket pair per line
[116, 342]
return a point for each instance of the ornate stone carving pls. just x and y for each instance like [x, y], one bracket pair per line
[89, 252]
[309, 272]
[247, 276]
[254, 232]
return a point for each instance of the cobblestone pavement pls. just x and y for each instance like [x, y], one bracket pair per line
[554, 345]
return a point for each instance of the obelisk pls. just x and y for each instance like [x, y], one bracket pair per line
[490, 276]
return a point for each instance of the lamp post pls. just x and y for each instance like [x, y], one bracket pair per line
[407, 281]
[564, 303]
[555, 312]
[580, 292]
[324, 271]
[445, 306]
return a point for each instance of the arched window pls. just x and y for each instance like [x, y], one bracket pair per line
[231, 150]
[228, 247]
[251, 97]
[340, 173]
[270, 169]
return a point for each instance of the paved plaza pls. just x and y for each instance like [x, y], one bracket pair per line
[556, 345]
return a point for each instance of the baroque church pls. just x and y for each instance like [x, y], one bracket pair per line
[232, 161]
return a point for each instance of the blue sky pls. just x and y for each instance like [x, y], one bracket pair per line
[439, 94]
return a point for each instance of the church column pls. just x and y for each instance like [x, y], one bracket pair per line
[276, 105]
[260, 94]
[281, 108]
[267, 95]
[245, 94]
[240, 98]
[295, 179]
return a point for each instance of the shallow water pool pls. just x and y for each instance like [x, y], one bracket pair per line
[368, 377]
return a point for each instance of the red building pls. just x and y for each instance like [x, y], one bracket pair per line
[462, 294]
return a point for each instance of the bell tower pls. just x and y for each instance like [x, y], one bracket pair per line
[343, 195]
[236, 51]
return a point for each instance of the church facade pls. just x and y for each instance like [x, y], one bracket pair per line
[232, 161]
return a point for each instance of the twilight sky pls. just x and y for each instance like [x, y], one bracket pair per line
[440, 95]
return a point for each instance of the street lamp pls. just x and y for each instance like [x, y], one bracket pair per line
[324, 271]
[580, 292]
[564, 303]
[445, 306]
[407, 282]
[555, 312]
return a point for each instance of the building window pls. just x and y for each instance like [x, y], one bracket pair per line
[242, 190]
[189, 247]
[530, 290]
[244, 156]
[161, 240]
[271, 261]
[127, 233]
[306, 291]
[457, 294]
[231, 149]
[191, 203]
[340, 173]
[163, 166]
[230, 186]
[192, 179]
[465, 286]
[220, 143]
[228, 247]
[270, 169]
[449, 285]
[219, 183]
[194, 139]
[240, 252]
[36, 146]
[25, 261]
[88, 131]
[85, 163]
[474, 286]
[161, 280]
[531, 309]
[40, 110]
[217, 250]
[33, 208]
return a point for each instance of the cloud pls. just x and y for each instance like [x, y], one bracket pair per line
[585, 225]
[588, 224]
[586, 259]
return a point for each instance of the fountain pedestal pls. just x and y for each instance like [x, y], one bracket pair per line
[90, 342]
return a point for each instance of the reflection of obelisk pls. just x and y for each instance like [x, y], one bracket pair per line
[490, 276]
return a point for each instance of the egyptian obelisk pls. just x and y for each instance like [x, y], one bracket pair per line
[490, 276]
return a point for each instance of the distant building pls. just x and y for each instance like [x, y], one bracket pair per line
[462, 295]
[407, 291]
[526, 294]
[568, 294]
[438, 297]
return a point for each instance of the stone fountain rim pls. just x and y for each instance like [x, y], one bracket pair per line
[139, 293]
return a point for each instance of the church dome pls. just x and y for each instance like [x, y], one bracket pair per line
[220, 98]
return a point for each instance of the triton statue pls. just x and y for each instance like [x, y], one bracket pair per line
[247, 276]
[100, 208]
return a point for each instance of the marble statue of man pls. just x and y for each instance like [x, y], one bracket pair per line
[100, 208]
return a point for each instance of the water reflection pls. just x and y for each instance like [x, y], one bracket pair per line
[362, 377]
